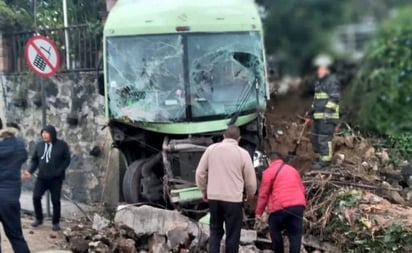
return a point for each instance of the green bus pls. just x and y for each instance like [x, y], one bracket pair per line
[176, 73]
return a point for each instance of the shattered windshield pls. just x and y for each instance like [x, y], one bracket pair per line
[149, 82]
[224, 71]
[145, 78]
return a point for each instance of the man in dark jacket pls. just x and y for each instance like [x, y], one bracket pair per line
[12, 155]
[51, 157]
[324, 111]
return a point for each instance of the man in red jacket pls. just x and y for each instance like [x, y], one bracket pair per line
[282, 194]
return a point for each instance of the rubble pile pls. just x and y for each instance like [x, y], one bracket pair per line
[362, 202]
[359, 200]
[147, 229]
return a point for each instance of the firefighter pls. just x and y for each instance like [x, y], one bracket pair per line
[324, 111]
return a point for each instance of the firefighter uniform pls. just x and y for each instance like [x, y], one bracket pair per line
[325, 114]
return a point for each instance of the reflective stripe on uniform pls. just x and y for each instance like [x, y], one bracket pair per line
[328, 157]
[321, 95]
[322, 115]
[331, 105]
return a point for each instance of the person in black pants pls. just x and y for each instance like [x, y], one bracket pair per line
[324, 111]
[230, 214]
[223, 174]
[282, 196]
[51, 157]
[12, 155]
[290, 218]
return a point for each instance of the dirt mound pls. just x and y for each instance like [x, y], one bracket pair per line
[356, 202]
[284, 121]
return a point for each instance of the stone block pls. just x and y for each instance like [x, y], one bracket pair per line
[150, 220]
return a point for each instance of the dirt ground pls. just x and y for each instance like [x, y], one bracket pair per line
[39, 239]
[285, 123]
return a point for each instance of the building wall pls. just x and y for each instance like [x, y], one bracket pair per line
[68, 95]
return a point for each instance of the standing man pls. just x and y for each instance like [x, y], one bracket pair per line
[324, 111]
[224, 173]
[12, 156]
[51, 156]
[282, 194]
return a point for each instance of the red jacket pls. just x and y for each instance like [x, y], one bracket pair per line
[286, 191]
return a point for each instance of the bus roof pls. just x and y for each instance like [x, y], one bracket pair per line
[131, 17]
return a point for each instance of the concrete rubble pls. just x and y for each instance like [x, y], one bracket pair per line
[147, 229]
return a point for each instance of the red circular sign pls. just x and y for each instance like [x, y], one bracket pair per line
[42, 55]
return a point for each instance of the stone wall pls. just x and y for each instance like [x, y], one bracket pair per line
[70, 97]
[4, 54]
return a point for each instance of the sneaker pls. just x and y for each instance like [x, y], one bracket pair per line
[56, 227]
[36, 223]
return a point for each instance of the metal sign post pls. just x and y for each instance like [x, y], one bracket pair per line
[43, 57]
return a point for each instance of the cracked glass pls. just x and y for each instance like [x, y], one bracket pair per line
[146, 76]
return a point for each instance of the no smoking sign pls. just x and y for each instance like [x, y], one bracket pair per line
[42, 55]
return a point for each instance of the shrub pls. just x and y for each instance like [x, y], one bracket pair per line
[380, 98]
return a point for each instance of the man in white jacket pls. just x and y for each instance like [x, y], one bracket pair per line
[224, 173]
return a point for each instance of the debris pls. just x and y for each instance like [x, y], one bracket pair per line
[340, 159]
[99, 222]
[157, 244]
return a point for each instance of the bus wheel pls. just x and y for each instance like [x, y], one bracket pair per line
[132, 182]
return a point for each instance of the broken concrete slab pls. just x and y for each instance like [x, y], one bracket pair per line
[150, 220]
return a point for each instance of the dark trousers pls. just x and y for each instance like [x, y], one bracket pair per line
[230, 214]
[290, 218]
[10, 218]
[54, 186]
[322, 135]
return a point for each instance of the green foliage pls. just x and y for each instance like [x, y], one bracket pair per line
[401, 146]
[393, 239]
[299, 30]
[380, 98]
[7, 16]
[49, 13]
[362, 234]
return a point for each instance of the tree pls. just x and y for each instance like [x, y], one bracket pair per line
[299, 30]
[49, 13]
[380, 99]
[11, 17]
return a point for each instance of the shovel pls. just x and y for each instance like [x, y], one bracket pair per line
[293, 152]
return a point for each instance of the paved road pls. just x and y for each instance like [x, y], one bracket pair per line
[68, 208]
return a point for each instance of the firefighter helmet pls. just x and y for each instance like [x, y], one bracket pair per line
[323, 60]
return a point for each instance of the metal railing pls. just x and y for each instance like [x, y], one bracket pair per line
[82, 47]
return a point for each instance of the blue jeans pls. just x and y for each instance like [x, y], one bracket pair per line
[290, 218]
[10, 218]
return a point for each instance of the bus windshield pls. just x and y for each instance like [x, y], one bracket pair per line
[175, 78]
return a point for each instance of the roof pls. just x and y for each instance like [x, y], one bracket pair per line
[163, 16]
